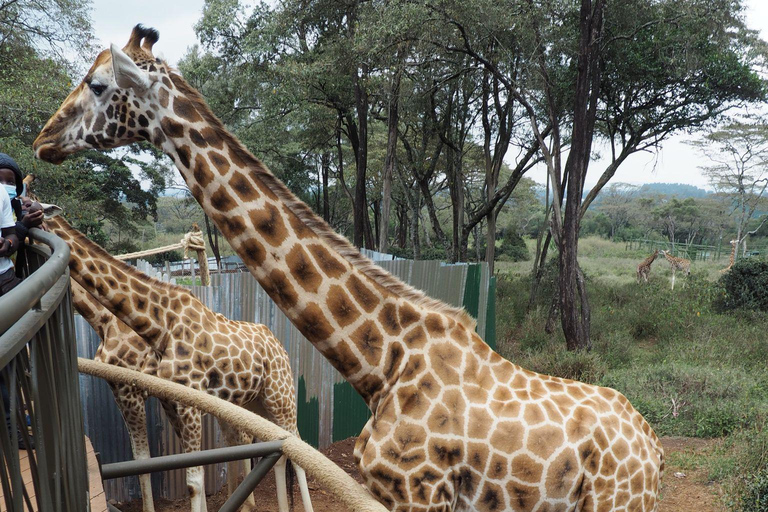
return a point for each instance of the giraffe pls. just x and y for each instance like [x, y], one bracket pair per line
[122, 347]
[644, 268]
[454, 426]
[732, 258]
[187, 343]
[680, 264]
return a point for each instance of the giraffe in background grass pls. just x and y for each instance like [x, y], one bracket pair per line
[681, 264]
[454, 426]
[189, 344]
[732, 258]
[644, 268]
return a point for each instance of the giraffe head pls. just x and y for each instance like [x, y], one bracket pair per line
[110, 107]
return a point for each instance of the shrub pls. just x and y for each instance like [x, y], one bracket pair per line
[754, 498]
[745, 286]
[513, 247]
[582, 366]
[161, 258]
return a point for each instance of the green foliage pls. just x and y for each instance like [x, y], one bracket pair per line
[513, 247]
[744, 286]
[755, 495]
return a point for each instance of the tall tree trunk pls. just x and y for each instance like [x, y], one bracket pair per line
[213, 241]
[361, 223]
[574, 304]
[325, 167]
[415, 244]
[402, 226]
[390, 161]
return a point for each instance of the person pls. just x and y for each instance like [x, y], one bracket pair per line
[15, 223]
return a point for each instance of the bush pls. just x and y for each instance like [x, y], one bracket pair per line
[582, 366]
[161, 258]
[745, 286]
[434, 253]
[754, 498]
[513, 247]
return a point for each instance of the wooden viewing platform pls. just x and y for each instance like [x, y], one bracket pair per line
[95, 491]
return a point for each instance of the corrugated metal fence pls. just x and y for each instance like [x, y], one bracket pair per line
[329, 409]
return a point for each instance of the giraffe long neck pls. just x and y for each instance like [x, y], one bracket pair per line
[342, 304]
[147, 306]
[92, 310]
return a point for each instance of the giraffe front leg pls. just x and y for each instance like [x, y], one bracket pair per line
[280, 484]
[234, 437]
[132, 407]
[188, 424]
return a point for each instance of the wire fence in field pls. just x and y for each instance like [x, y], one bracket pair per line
[694, 252]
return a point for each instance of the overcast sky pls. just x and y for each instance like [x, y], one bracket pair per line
[675, 163]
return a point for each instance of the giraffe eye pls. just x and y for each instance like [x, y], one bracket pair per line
[97, 88]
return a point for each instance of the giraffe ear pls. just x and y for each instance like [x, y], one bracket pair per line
[127, 73]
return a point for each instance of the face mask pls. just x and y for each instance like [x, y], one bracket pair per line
[11, 189]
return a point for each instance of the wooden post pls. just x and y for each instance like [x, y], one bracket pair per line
[202, 260]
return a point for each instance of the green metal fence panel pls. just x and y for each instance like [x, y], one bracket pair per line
[471, 300]
[350, 413]
[490, 319]
[309, 415]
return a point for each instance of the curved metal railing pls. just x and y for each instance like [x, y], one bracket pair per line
[38, 369]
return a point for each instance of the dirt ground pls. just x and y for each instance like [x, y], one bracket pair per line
[688, 493]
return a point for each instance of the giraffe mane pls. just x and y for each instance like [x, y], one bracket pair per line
[314, 222]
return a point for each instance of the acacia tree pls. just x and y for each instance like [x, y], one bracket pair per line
[616, 204]
[739, 171]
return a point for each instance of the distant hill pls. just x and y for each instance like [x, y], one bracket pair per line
[679, 190]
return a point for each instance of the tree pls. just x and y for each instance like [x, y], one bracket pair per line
[98, 190]
[739, 171]
[616, 204]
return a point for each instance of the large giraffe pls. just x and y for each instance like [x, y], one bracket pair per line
[189, 344]
[681, 264]
[455, 426]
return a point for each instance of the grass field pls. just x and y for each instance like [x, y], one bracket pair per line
[690, 370]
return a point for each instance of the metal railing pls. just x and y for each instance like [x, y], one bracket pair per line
[38, 370]
[270, 453]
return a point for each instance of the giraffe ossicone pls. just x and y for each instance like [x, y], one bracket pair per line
[454, 426]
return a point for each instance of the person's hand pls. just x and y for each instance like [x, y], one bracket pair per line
[33, 219]
[5, 247]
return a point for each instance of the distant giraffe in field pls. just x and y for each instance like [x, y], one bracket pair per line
[732, 259]
[681, 264]
[454, 425]
[644, 268]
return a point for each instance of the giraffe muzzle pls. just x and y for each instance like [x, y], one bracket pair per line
[48, 152]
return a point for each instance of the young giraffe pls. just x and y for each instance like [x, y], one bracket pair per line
[732, 258]
[644, 268]
[455, 426]
[681, 264]
[122, 347]
[189, 344]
